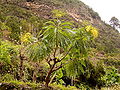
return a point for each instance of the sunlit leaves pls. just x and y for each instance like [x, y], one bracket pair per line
[57, 33]
[59, 74]
[112, 76]
[75, 68]
[60, 36]
[37, 51]
[7, 52]
[81, 42]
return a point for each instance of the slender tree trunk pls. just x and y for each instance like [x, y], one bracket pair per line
[47, 79]
[35, 72]
[52, 78]
[21, 66]
[72, 81]
[34, 76]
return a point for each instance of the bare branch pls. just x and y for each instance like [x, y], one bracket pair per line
[48, 59]
[56, 68]
[55, 52]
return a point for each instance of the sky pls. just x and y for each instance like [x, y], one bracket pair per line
[105, 8]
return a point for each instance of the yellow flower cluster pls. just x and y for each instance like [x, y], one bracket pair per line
[26, 37]
[93, 30]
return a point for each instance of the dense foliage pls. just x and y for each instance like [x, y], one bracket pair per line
[37, 52]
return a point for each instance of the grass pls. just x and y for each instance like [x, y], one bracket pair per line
[19, 84]
[61, 87]
[115, 87]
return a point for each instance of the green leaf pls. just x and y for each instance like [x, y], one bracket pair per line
[83, 63]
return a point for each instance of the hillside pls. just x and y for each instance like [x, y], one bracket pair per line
[108, 38]
[51, 44]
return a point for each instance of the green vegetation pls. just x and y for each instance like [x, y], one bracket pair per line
[56, 53]
[114, 22]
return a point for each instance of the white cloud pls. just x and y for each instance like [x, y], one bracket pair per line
[105, 8]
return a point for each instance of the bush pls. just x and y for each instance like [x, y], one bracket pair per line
[112, 77]
[7, 77]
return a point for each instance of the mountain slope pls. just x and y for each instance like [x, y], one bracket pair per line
[108, 40]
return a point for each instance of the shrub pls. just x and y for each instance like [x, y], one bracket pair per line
[7, 77]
